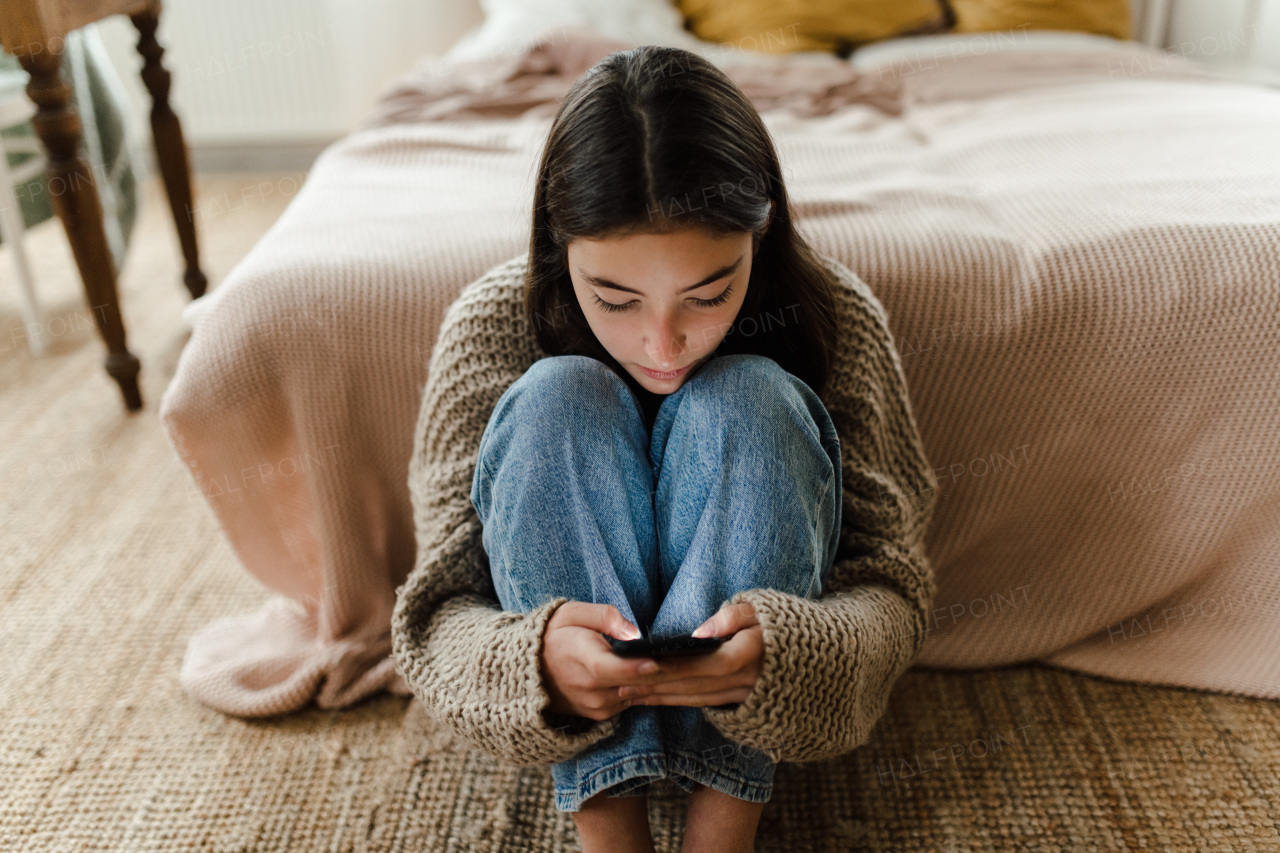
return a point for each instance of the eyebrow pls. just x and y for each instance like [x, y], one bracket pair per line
[715, 276]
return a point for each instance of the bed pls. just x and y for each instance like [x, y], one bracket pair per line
[1077, 243]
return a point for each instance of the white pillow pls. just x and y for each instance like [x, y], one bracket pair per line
[512, 26]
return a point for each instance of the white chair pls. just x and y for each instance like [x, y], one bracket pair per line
[15, 109]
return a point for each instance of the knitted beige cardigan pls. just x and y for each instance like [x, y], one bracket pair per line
[828, 664]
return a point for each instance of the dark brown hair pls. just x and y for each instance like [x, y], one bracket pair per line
[656, 139]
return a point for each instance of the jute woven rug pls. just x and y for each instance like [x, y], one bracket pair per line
[109, 561]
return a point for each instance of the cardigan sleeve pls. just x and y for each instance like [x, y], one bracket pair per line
[474, 667]
[830, 663]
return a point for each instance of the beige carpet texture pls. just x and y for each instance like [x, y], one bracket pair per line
[110, 560]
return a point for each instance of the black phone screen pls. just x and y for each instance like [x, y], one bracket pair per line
[660, 647]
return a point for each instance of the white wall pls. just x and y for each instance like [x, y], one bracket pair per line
[1227, 32]
[292, 75]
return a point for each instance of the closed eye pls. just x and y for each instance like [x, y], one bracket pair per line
[702, 303]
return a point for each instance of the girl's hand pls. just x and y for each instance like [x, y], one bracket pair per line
[580, 672]
[724, 677]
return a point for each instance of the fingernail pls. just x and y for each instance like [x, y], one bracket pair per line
[700, 631]
[626, 703]
[648, 668]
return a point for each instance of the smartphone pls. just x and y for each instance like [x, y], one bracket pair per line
[661, 647]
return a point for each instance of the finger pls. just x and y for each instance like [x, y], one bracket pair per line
[697, 700]
[734, 655]
[604, 618]
[604, 669]
[701, 667]
[713, 627]
[686, 686]
[729, 619]
[602, 704]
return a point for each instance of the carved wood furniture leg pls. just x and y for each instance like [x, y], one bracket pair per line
[171, 150]
[75, 197]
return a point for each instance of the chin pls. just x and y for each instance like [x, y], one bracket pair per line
[664, 390]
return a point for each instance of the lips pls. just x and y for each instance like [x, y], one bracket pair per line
[653, 374]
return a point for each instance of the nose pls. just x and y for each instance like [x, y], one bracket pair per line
[664, 344]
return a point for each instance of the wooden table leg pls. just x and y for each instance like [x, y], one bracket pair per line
[75, 198]
[171, 150]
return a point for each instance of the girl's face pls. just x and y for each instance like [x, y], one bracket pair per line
[661, 303]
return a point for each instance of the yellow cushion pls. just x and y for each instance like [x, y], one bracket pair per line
[1104, 17]
[784, 26]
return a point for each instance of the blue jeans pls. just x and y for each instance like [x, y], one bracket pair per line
[737, 488]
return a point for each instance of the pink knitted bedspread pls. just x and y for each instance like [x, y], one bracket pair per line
[1079, 254]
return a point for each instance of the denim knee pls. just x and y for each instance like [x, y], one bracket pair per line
[578, 384]
[755, 395]
[558, 394]
[748, 404]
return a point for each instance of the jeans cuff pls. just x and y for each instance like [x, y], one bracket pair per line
[640, 768]
[632, 777]
[683, 766]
